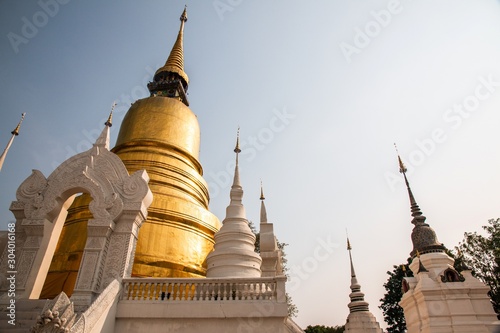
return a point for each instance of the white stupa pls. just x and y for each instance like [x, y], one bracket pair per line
[234, 250]
[360, 319]
[269, 251]
[439, 298]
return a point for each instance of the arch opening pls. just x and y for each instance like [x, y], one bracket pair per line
[67, 257]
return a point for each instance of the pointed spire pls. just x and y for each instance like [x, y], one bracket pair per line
[110, 118]
[103, 139]
[270, 253]
[263, 213]
[234, 250]
[14, 133]
[358, 302]
[18, 127]
[175, 61]
[237, 150]
[353, 273]
[423, 236]
[416, 213]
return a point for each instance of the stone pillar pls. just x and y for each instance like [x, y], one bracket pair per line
[30, 281]
[120, 256]
[94, 255]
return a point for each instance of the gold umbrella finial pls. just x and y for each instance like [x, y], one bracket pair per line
[110, 118]
[18, 127]
[237, 149]
[184, 15]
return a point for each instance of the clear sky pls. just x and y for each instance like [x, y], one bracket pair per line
[321, 90]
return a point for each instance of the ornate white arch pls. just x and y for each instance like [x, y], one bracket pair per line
[119, 207]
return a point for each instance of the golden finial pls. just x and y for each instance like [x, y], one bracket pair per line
[349, 247]
[108, 122]
[402, 167]
[237, 148]
[18, 127]
[261, 192]
[175, 61]
[184, 16]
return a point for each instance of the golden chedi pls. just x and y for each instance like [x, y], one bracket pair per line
[160, 134]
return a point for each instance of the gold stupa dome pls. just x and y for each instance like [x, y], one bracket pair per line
[161, 135]
[164, 121]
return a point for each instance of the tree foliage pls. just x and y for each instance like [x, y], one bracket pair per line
[324, 329]
[393, 313]
[482, 255]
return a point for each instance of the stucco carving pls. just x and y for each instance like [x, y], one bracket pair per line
[119, 199]
[58, 316]
[116, 257]
[24, 266]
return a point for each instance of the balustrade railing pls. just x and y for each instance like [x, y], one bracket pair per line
[209, 289]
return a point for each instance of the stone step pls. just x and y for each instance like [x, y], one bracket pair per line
[26, 313]
[20, 324]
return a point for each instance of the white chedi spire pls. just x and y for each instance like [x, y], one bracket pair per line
[360, 319]
[270, 253]
[234, 250]
[103, 139]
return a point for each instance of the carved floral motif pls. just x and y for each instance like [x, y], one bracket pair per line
[103, 175]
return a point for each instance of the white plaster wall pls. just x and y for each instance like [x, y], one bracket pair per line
[207, 317]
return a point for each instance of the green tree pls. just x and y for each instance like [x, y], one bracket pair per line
[292, 308]
[324, 329]
[482, 255]
[393, 313]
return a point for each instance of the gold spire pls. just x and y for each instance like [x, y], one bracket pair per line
[110, 118]
[262, 192]
[175, 61]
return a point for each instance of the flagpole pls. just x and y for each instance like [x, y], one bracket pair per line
[15, 133]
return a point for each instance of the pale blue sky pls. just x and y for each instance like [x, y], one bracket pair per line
[321, 90]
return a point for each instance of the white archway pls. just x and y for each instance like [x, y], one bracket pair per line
[119, 207]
